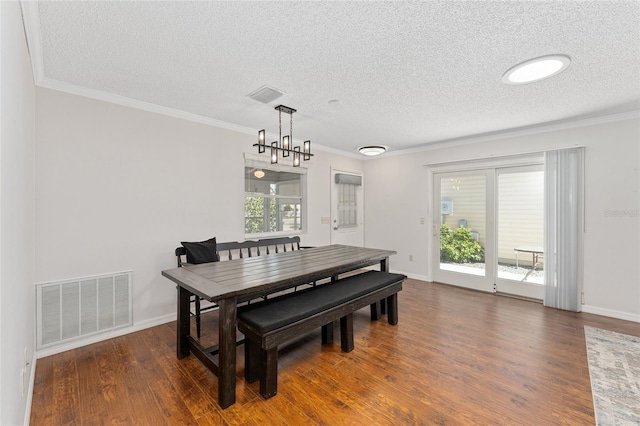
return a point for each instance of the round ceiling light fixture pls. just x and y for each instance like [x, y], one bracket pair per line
[536, 69]
[371, 150]
[259, 173]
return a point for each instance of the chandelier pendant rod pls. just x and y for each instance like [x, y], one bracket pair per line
[279, 127]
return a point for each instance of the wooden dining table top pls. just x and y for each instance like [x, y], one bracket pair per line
[243, 278]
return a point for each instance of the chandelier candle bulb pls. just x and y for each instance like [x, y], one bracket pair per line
[296, 156]
[307, 150]
[274, 152]
[285, 146]
[261, 145]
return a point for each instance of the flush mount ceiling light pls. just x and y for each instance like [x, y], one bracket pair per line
[284, 143]
[536, 69]
[259, 173]
[372, 150]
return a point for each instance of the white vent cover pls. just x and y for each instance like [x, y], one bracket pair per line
[68, 310]
[265, 94]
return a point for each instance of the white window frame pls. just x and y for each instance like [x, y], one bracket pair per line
[256, 161]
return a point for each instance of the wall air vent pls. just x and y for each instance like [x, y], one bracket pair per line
[71, 309]
[265, 94]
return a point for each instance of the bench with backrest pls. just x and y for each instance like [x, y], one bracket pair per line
[269, 323]
[279, 245]
[239, 250]
[251, 248]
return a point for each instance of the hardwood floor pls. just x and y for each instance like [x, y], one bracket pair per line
[456, 357]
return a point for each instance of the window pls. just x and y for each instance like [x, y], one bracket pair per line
[347, 207]
[347, 185]
[273, 199]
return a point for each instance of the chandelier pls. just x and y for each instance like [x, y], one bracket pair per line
[283, 144]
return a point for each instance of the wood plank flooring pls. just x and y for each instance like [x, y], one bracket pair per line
[456, 357]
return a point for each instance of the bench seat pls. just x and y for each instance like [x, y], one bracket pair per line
[272, 322]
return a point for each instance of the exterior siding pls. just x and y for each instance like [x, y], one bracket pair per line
[520, 210]
[520, 214]
[468, 196]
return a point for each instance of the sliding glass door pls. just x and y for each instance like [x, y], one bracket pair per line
[464, 229]
[489, 230]
[520, 231]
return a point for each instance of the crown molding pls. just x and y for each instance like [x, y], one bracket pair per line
[518, 132]
[48, 83]
[448, 143]
[159, 109]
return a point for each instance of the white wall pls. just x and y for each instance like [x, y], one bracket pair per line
[17, 296]
[396, 198]
[118, 188]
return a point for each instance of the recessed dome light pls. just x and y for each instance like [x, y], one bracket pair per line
[372, 150]
[536, 69]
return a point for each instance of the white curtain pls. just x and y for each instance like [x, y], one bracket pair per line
[563, 228]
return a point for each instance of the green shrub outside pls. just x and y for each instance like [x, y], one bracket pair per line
[458, 246]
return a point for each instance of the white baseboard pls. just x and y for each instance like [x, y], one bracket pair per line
[105, 336]
[32, 380]
[585, 308]
[611, 313]
[416, 276]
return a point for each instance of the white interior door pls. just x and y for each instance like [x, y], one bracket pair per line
[347, 218]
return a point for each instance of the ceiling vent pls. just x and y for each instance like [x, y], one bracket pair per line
[265, 94]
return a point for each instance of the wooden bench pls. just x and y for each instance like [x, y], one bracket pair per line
[272, 322]
[239, 250]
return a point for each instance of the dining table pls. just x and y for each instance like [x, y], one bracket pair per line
[236, 281]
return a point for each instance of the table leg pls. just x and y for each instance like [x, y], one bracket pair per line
[227, 352]
[183, 322]
[378, 308]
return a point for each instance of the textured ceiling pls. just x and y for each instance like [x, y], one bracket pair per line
[406, 74]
